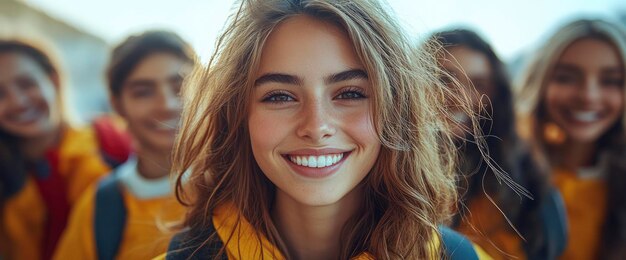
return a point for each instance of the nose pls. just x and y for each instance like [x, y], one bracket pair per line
[316, 122]
[591, 91]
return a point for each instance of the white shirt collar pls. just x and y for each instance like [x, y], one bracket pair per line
[139, 186]
[597, 171]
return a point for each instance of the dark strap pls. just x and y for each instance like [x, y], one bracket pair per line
[456, 246]
[190, 245]
[109, 218]
[554, 224]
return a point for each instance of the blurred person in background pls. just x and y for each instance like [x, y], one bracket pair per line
[471, 61]
[572, 106]
[118, 218]
[45, 162]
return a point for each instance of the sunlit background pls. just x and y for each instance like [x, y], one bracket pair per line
[84, 30]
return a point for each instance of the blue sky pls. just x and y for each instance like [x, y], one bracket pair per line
[511, 26]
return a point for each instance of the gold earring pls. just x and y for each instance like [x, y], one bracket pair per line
[553, 134]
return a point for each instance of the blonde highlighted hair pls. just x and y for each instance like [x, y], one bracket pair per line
[534, 122]
[411, 187]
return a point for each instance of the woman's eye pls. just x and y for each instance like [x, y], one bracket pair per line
[351, 94]
[612, 82]
[565, 78]
[277, 97]
[141, 92]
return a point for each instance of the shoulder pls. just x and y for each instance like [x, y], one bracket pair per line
[457, 246]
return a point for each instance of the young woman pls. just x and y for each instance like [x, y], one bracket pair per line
[45, 164]
[473, 63]
[117, 219]
[316, 133]
[573, 107]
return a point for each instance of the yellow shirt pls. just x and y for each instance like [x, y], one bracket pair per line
[486, 226]
[586, 204]
[142, 238]
[245, 243]
[80, 165]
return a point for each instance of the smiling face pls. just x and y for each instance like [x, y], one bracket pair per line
[585, 95]
[149, 100]
[28, 97]
[470, 68]
[310, 122]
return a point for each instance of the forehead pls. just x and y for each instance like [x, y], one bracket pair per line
[473, 62]
[303, 45]
[589, 53]
[159, 65]
[12, 64]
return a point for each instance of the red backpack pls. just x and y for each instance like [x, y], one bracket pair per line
[114, 141]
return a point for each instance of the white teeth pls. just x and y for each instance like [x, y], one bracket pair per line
[27, 116]
[586, 116]
[316, 161]
[312, 161]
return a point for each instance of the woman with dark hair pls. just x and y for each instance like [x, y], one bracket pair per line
[118, 218]
[518, 232]
[572, 102]
[45, 163]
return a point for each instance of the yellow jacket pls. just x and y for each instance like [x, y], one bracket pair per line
[142, 236]
[246, 245]
[79, 164]
[586, 204]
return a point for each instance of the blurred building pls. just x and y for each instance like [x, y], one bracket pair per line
[83, 56]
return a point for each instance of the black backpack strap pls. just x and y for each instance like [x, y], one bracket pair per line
[109, 218]
[190, 245]
[554, 218]
[456, 246]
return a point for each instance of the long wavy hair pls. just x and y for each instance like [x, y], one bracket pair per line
[613, 143]
[505, 146]
[409, 190]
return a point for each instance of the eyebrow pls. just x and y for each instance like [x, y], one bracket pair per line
[612, 70]
[140, 82]
[567, 67]
[346, 75]
[295, 80]
[278, 78]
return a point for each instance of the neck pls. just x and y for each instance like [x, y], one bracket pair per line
[35, 148]
[314, 232]
[574, 155]
[153, 164]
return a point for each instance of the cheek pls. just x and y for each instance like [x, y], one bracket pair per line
[555, 96]
[136, 112]
[267, 128]
[46, 92]
[616, 100]
[359, 126]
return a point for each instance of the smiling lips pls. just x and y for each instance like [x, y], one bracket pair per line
[27, 116]
[312, 163]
